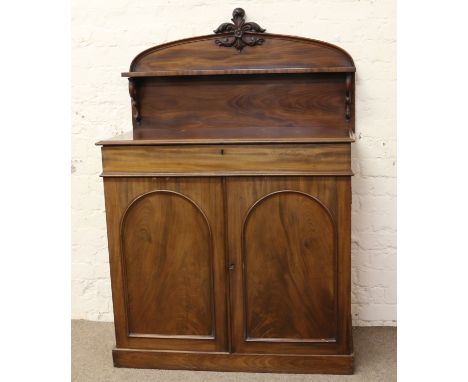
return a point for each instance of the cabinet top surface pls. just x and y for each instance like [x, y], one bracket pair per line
[141, 137]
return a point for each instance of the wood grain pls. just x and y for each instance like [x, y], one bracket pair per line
[167, 252]
[343, 220]
[213, 159]
[258, 363]
[221, 135]
[221, 72]
[172, 278]
[289, 263]
[278, 52]
[274, 274]
[254, 101]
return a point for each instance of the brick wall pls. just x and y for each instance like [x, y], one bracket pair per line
[107, 34]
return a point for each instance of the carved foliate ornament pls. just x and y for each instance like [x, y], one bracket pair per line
[238, 33]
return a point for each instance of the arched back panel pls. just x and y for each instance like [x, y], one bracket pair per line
[241, 84]
[278, 53]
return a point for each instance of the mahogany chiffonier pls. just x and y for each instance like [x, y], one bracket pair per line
[229, 205]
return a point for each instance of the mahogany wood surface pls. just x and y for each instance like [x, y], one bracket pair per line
[167, 242]
[228, 159]
[277, 53]
[167, 257]
[220, 135]
[294, 298]
[284, 295]
[221, 72]
[241, 77]
[301, 102]
[228, 206]
[258, 363]
[292, 106]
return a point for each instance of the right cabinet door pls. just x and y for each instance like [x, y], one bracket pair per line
[288, 240]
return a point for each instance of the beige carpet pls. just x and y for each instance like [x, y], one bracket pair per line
[92, 342]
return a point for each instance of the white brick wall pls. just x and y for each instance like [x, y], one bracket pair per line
[107, 34]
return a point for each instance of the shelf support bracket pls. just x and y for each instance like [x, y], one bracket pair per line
[134, 97]
[348, 98]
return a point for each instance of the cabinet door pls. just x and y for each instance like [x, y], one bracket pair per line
[289, 260]
[166, 243]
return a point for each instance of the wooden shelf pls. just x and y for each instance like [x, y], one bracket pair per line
[214, 72]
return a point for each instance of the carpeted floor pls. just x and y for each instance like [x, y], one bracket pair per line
[92, 342]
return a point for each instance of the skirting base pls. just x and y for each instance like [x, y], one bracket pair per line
[258, 363]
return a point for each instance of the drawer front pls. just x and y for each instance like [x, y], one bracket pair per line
[216, 160]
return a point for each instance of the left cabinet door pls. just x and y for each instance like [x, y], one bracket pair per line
[167, 259]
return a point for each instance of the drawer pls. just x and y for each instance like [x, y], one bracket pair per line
[220, 160]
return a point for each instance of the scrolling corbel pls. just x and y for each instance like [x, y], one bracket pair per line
[134, 97]
[348, 98]
[349, 103]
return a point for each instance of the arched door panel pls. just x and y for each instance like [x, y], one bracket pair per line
[167, 251]
[283, 249]
[167, 244]
[288, 269]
